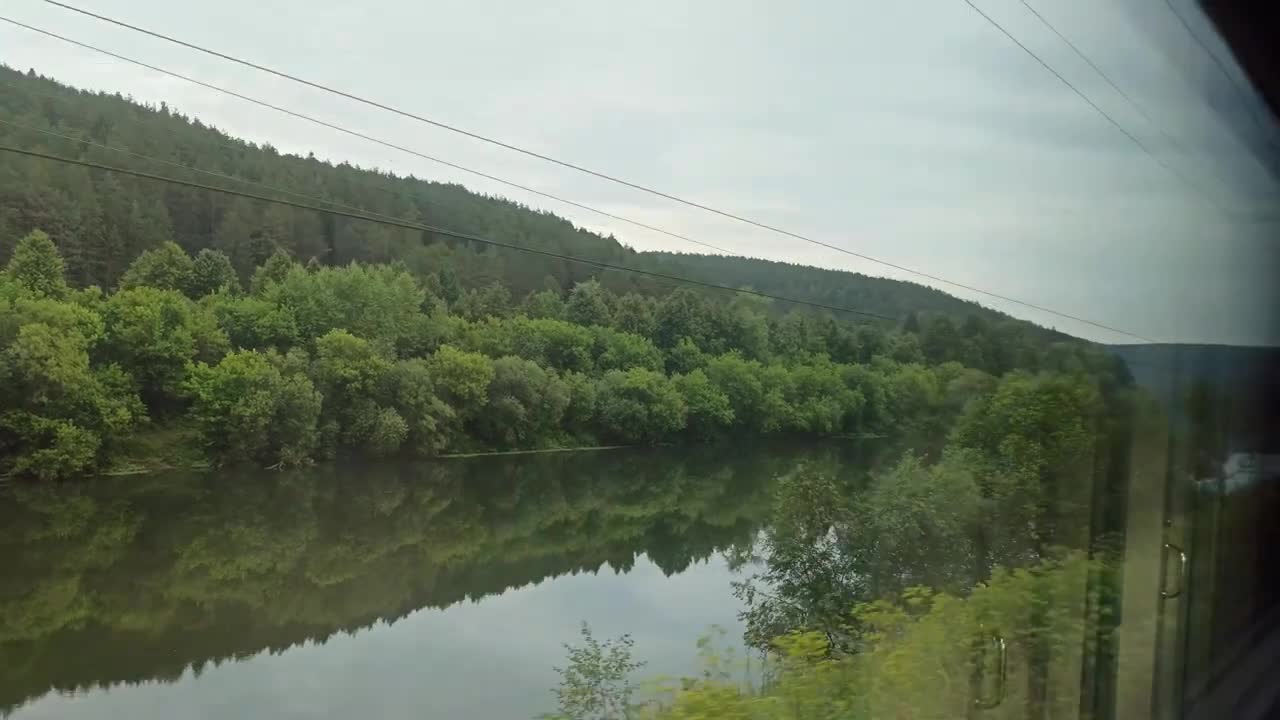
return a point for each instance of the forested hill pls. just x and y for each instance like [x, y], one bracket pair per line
[102, 221]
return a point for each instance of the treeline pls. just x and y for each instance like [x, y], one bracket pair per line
[102, 221]
[309, 362]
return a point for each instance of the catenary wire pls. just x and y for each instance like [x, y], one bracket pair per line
[1114, 86]
[1133, 138]
[1222, 68]
[364, 136]
[588, 171]
[171, 163]
[420, 227]
[371, 214]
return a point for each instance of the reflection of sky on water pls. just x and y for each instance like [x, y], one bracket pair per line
[486, 659]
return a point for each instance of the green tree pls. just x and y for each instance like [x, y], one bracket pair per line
[252, 323]
[635, 314]
[616, 350]
[167, 267]
[211, 272]
[61, 416]
[350, 374]
[378, 303]
[941, 341]
[525, 405]
[739, 379]
[710, 412]
[37, 267]
[493, 300]
[544, 304]
[685, 357]
[154, 333]
[596, 683]
[429, 420]
[461, 379]
[682, 314]
[818, 399]
[639, 405]
[248, 411]
[272, 271]
[589, 304]
[580, 415]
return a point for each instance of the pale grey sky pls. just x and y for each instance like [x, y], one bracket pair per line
[914, 132]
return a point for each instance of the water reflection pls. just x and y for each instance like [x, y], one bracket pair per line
[158, 579]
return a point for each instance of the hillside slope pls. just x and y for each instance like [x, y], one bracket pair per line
[102, 221]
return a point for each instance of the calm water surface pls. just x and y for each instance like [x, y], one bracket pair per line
[441, 589]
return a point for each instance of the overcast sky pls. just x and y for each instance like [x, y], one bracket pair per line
[914, 132]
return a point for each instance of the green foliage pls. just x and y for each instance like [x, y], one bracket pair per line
[61, 414]
[212, 272]
[155, 334]
[581, 414]
[394, 371]
[616, 350]
[544, 304]
[635, 314]
[377, 303]
[589, 304]
[639, 405]
[819, 401]
[350, 374]
[273, 271]
[247, 410]
[36, 266]
[461, 379]
[47, 448]
[685, 357]
[492, 300]
[525, 405]
[595, 683]
[429, 421]
[436, 317]
[252, 323]
[167, 267]
[916, 655]
[709, 410]
[739, 379]
[680, 315]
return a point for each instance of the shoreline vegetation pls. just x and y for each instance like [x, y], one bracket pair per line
[186, 362]
[282, 337]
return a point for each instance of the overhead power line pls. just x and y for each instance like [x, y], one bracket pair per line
[1222, 68]
[420, 227]
[1133, 138]
[578, 168]
[364, 136]
[170, 163]
[1114, 86]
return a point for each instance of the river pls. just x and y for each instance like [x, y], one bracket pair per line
[400, 590]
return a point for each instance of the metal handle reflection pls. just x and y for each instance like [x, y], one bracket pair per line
[1182, 573]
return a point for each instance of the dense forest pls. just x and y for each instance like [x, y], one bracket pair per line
[315, 361]
[135, 314]
[101, 222]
